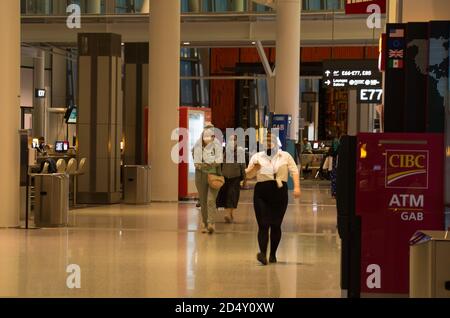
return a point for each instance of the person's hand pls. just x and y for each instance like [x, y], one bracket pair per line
[297, 193]
[257, 167]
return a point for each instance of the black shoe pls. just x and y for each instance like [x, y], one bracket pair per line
[273, 259]
[262, 258]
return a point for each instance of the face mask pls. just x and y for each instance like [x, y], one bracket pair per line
[207, 140]
[272, 151]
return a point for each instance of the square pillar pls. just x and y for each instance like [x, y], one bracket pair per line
[99, 127]
[135, 102]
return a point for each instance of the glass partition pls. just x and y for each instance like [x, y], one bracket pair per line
[323, 5]
[58, 7]
[131, 6]
[195, 90]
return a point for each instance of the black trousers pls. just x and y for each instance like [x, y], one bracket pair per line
[229, 194]
[270, 204]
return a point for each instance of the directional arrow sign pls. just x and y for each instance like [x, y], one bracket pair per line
[351, 73]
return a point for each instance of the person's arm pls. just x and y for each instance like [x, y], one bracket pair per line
[219, 170]
[218, 153]
[242, 171]
[215, 159]
[253, 168]
[197, 154]
[293, 170]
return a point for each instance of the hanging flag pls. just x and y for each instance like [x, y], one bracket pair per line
[397, 33]
[396, 54]
[396, 43]
[398, 64]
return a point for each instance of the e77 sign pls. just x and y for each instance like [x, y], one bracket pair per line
[370, 96]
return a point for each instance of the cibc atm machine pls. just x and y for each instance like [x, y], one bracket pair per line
[388, 187]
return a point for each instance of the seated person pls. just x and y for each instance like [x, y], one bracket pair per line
[51, 165]
[307, 148]
[43, 148]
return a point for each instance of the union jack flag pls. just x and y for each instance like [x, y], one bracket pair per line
[396, 54]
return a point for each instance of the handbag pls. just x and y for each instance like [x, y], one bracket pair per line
[216, 182]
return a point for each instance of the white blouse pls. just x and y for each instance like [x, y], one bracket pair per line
[270, 166]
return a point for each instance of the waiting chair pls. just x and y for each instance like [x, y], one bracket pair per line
[45, 169]
[79, 172]
[81, 168]
[72, 167]
[61, 166]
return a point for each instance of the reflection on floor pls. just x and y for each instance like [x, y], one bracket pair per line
[157, 251]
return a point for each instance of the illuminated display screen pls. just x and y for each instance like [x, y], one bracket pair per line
[72, 116]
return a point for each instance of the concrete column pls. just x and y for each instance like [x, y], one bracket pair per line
[425, 11]
[10, 115]
[194, 5]
[164, 96]
[364, 118]
[39, 103]
[43, 7]
[353, 114]
[394, 11]
[110, 6]
[271, 92]
[59, 7]
[288, 62]
[59, 79]
[145, 6]
[93, 6]
[316, 121]
[238, 5]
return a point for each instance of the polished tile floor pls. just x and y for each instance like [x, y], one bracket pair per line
[157, 251]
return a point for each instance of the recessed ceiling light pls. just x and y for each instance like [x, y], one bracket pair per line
[186, 43]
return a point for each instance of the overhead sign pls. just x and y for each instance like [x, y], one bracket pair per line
[352, 74]
[364, 6]
[370, 96]
[40, 93]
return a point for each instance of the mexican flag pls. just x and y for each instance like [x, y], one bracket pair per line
[396, 64]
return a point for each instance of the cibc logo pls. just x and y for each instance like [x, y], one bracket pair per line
[407, 169]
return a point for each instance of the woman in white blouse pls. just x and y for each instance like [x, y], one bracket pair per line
[271, 168]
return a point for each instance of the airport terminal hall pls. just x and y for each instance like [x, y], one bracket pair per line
[225, 149]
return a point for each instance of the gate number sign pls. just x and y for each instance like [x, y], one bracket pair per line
[370, 96]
